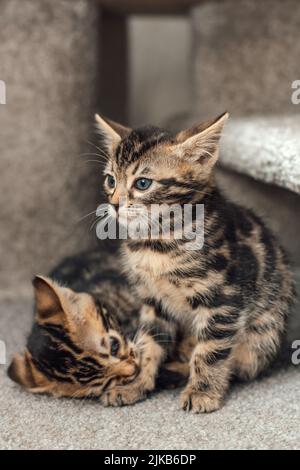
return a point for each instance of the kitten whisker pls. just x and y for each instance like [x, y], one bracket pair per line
[98, 219]
[93, 154]
[95, 161]
[87, 215]
[101, 150]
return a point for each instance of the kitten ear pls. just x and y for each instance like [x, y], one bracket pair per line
[201, 142]
[111, 131]
[49, 298]
[20, 371]
[23, 372]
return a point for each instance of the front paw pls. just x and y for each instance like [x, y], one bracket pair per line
[128, 394]
[199, 402]
[122, 396]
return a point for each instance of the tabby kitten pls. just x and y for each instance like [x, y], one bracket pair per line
[76, 347]
[234, 294]
[81, 340]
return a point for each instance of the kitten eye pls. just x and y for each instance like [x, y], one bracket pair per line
[111, 182]
[142, 184]
[114, 345]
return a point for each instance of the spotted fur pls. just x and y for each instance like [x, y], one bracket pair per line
[234, 294]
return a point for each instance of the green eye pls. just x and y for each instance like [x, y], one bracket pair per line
[111, 182]
[142, 184]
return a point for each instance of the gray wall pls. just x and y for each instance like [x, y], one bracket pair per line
[159, 68]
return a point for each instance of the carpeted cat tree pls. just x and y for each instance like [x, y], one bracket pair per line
[49, 60]
[246, 59]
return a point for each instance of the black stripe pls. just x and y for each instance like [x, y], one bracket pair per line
[91, 360]
[182, 198]
[192, 271]
[159, 246]
[105, 319]
[96, 384]
[138, 142]
[218, 262]
[61, 335]
[270, 256]
[216, 356]
[145, 147]
[192, 185]
[108, 383]
[160, 311]
[227, 318]
[168, 197]
[49, 372]
[215, 298]
[261, 329]
[210, 333]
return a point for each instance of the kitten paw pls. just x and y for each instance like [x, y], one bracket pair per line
[122, 396]
[199, 402]
[128, 394]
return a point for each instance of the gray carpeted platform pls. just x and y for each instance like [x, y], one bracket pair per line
[261, 415]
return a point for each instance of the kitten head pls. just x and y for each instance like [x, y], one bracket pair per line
[75, 348]
[151, 166]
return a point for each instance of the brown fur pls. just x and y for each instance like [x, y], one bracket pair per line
[78, 325]
[234, 294]
[68, 352]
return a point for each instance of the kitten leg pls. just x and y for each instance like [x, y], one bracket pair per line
[210, 366]
[210, 371]
[259, 345]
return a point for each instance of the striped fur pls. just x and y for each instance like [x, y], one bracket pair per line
[234, 294]
[68, 351]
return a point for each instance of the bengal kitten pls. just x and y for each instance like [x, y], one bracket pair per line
[234, 294]
[85, 341]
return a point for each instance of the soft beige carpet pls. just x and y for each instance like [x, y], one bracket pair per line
[261, 415]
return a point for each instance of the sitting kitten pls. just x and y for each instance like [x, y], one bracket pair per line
[79, 345]
[234, 294]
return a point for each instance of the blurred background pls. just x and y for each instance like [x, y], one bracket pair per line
[171, 63]
[166, 62]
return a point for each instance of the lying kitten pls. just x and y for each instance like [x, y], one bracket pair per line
[234, 294]
[79, 345]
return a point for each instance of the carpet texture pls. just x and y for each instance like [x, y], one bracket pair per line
[264, 414]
